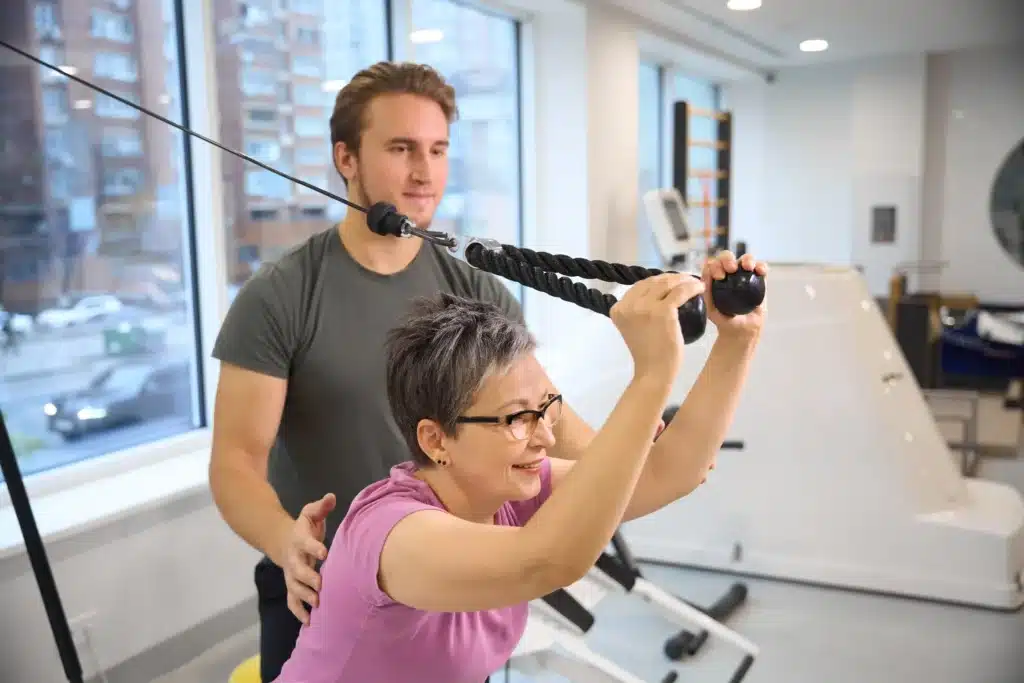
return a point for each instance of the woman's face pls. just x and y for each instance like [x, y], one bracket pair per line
[502, 438]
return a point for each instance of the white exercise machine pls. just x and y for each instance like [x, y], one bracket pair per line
[554, 635]
[666, 210]
[844, 479]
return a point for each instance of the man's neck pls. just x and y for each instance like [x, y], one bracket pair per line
[378, 253]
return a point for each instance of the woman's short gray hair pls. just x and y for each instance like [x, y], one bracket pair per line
[440, 356]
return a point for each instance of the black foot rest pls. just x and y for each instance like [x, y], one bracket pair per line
[686, 643]
[569, 607]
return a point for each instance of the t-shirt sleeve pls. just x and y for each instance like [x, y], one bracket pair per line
[362, 539]
[261, 329]
[490, 288]
[524, 509]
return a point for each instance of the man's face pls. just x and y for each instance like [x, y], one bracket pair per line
[403, 156]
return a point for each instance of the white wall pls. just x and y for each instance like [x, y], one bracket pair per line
[613, 81]
[814, 151]
[983, 120]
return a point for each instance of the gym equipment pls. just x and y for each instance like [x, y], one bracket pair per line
[55, 613]
[845, 479]
[564, 616]
[715, 229]
[537, 270]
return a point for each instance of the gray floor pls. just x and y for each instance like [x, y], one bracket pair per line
[807, 634]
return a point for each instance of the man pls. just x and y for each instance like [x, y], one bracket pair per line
[301, 412]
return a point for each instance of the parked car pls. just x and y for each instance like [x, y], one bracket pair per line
[86, 309]
[124, 393]
[20, 323]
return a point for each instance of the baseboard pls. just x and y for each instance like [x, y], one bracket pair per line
[178, 651]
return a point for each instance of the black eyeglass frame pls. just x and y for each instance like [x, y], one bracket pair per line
[507, 420]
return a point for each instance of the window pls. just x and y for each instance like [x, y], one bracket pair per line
[115, 65]
[257, 82]
[312, 95]
[261, 118]
[478, 52]
[110, 108]
[110, 26]
[701, 95]
[308, 65]
[121, 182]
[312, 156]
[307, 36]
[46, 20]
[105, 354]
[266, 185]
[55, 105]
[122, 142]
[309, 126]
[266, 150]
[650, 158]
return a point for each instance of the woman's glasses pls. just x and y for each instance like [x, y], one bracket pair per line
[521, 425]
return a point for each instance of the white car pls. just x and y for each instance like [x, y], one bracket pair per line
[20, 323]
[84, 310]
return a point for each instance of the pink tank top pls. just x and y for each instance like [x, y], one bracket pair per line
[359, 635]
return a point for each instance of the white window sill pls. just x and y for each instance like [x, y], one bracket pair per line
[128, 483]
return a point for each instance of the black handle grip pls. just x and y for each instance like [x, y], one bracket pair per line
[738, 293]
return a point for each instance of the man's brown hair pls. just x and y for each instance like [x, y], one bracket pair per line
[349, 118]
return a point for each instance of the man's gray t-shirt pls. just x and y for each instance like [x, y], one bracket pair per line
[319, 319]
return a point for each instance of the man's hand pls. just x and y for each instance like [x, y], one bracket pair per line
[301, 549]
[716, 268]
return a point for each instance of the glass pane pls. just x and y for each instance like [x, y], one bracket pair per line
[701, 95]
[97, 334]
[279, 68]
[649, 159]
[477, 53]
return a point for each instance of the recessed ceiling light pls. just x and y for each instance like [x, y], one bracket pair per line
[426, 35]
[815, 45]
[743, 5]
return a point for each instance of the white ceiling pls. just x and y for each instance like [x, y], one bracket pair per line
[768, 38]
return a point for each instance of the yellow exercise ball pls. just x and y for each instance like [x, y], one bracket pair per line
[247, 672]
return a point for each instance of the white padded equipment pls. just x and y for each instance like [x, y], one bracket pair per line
[845, 479]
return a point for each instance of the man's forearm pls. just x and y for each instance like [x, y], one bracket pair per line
[691, 441]
[249, 505]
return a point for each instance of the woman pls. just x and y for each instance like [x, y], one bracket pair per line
[430, 574]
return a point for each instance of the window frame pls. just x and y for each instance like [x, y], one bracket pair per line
[204, 266]
[201, 196]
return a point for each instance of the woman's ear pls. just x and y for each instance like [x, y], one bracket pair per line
[430, 437]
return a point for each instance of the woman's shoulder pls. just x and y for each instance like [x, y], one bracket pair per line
[400, 491]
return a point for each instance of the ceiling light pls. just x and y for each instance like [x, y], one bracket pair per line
[815, 45]
[426, 35]
[82, 104]
[68, 69]
[743, 5]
